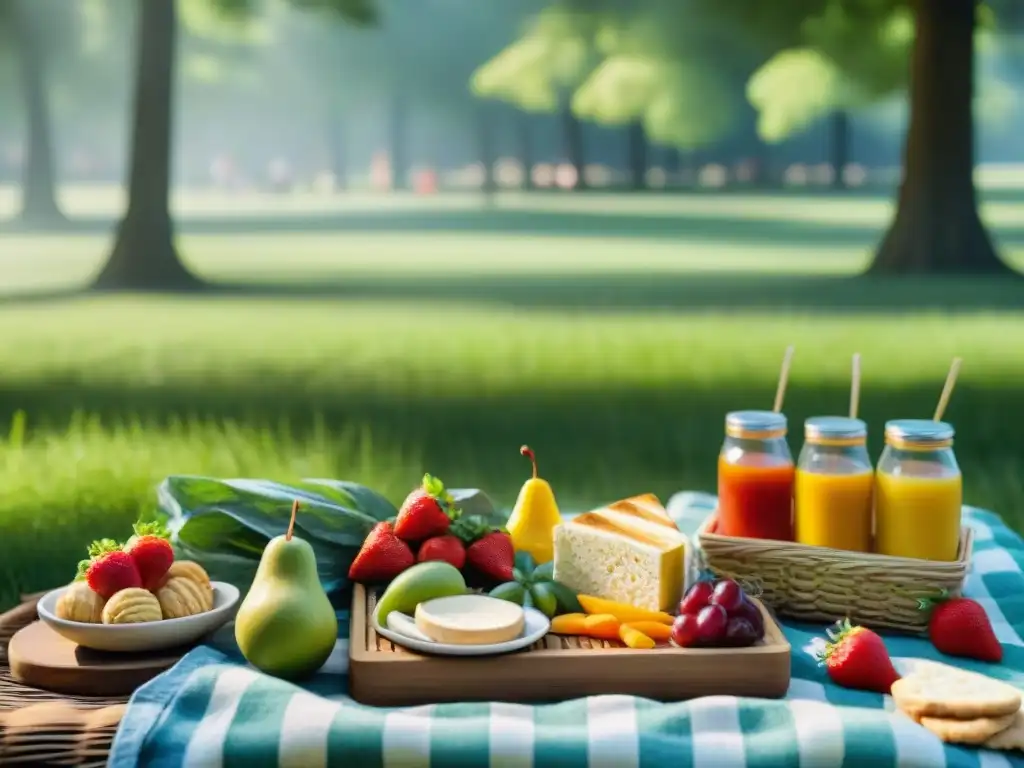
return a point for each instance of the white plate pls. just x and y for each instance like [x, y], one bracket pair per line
[147, 636]
[401, 629]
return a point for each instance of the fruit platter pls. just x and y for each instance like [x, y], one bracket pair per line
[447, 607]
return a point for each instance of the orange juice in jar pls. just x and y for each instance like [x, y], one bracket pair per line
[755, 477]
[834, 485]
[918, 492]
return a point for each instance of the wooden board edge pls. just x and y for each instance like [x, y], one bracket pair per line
[357, 650]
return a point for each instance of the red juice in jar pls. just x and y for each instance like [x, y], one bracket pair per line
[755, 477]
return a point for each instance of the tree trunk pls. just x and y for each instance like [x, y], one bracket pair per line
[144, 256]
[572, 136]
[39, 188]
[673, 166]
[637, 156]
[525, 141]
[486, 149]
[337, 144]
[397, 150]
[937, 228]
[839, 147]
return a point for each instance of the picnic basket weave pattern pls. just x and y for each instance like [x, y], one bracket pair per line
[41, 728]
[821, 584]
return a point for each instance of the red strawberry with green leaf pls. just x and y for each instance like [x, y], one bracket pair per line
[151, 550]
[109, 569]
[427, 511]
[382, 556]
[856, 657]
[959, 626]
[447, 548]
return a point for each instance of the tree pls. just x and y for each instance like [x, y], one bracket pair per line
[35, 31]
[851, 54]
[144, 256]
[541, 71]
[821, 56]
[937, 228]
[660, 69]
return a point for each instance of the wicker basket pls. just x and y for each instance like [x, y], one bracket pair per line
[39, 728]
[821, 584]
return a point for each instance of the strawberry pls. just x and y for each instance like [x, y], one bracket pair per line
[426, 512]
[493, 556]
[109, 569]
[960, 627]
[447, 548]
[857, 658]
[152, 553]
[382, 557]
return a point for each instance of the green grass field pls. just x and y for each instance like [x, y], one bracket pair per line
[378, 342]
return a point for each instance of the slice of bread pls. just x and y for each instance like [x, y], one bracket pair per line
[630, 552]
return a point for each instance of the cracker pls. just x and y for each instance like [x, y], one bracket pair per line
[940, 691]
[1011, 737]
[976, 731]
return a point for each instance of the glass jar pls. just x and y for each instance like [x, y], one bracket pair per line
[918, 492]
[755, 477]
[834, 485]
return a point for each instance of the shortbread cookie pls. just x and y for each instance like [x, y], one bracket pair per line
[80, 603]
[132, 606]
[1011, 737]
[938, 690]
[975, 731]
[181, 597]
[189, 570]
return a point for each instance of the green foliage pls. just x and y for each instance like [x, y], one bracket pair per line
[358, 12]
[554, 57]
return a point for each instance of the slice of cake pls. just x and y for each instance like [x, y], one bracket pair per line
[630, 552]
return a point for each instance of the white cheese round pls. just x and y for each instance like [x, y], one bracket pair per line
[470, 620]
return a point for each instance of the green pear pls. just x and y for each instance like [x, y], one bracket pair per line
[286, 626]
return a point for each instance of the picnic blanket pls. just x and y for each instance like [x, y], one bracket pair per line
[213, 710]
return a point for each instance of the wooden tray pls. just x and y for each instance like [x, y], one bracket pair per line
[559, 667]
[40, 657]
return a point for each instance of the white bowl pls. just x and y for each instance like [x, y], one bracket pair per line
[147, 636]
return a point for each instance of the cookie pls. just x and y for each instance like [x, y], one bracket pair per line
[941, 691]
[976, 731]
[181, 597]
[189, 570]
[131, 606]
[1011, 737]
[80, 603]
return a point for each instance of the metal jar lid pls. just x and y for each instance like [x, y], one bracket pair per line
[921, 432]
[835, 428]
[755, 424]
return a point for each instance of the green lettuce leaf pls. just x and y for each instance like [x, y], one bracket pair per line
[224, 524]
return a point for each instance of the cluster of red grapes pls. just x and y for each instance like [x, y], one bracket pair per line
[717, 614]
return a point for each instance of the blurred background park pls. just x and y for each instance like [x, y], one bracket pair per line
[367, 239]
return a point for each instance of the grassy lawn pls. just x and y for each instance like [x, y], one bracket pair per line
[379, 343]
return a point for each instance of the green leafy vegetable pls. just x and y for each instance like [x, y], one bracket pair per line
[224, 525]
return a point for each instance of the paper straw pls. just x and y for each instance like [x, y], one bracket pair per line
[780, 393]
[947, 391]
[855, 386]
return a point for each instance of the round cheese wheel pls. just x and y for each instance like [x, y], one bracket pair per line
[470, 620]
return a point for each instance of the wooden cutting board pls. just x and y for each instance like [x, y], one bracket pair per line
[559, 667]
[40, 657]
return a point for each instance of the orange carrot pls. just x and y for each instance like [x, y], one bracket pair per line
[653, 629]
[569, 624]
[621, 611]
[602, 626]
[634, 638]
